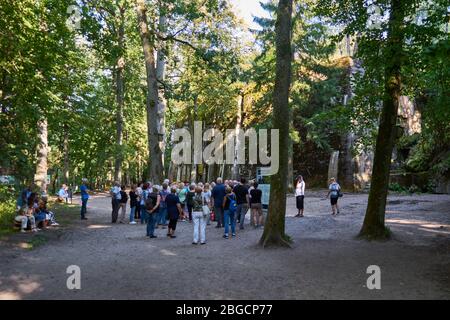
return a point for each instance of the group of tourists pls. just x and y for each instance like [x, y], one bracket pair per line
[33, 213]
[334, 193]
[162, 206]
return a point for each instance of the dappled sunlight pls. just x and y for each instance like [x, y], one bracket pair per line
[422, 225]
[98, 226]
[23, 288]
[167, 252]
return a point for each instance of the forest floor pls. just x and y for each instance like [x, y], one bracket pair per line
[326, 261]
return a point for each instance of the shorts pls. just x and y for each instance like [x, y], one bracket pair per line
[299, 202]
[333, 200]
[257, 206]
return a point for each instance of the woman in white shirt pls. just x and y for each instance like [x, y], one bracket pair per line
[299, 195]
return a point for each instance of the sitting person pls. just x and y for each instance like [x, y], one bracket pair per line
[27, 215]
[44, 216]
[62, 194]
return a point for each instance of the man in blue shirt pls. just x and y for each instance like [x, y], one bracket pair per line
[84, 198]
[217, 195]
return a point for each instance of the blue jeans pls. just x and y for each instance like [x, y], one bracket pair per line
[133, 209]
[229, 216]
[143, 214]
[162, 216]
[83, 207]
[151, 221]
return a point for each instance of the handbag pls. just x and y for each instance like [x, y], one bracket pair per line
[205, 208]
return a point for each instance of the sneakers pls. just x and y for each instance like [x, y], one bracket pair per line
[133, 222]
[23, 231]
[153, 236]
[203, 243]
[173, 237]
[233, 235]
[225, 236]
[194, 243]
[54, 224]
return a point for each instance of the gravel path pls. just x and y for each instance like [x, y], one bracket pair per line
[325, 262]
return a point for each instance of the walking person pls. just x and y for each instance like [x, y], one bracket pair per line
[256, 205]
[218, 194]
[242, 201]
[162, 220]
[115, 201]
[229, 209]
[152, 202]
[334, 191]
[198, 217]
[174, 211]
[84, 198]
[133, 203]
[299, 195]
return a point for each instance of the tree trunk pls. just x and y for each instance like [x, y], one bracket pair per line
[160, 75]
[119, 77]
[155, 163]
[274, 229]
[66, 154]
[240, 107]
[374, 224]
[40, 177]
[290, 176]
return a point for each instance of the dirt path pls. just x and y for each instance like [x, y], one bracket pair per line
[326, 262]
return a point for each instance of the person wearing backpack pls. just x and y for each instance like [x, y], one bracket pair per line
[190, 200]
[144, 195]
[152, 202]
[334, 192]
[162, 217]
[115, 201]
[198, 216]
[123, 204]
[229, 208]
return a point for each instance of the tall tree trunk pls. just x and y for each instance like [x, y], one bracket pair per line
[240, 107]
[155, 163]
[290, 176]
[40, 177]
[66, 154]
[374, 224]
[274, 229]
[120, 90]
[160, 75]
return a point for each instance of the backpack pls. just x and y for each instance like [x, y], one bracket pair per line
[148, 201]
[233, 204]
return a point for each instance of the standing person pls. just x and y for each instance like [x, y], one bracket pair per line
[174, 210]
[123, 204]
[255, 205]
[334, 192]
[138, 191]
[190, 200]
[152, 202]
[133, 203]
[206, 194]
[229, 209]
[198, 217]
[242, 201]
[144, 195]
[218, 194]
[182, 195]
[162, 219]
[115, 201]
[62, 194]
[299, 195]
[84, 198]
